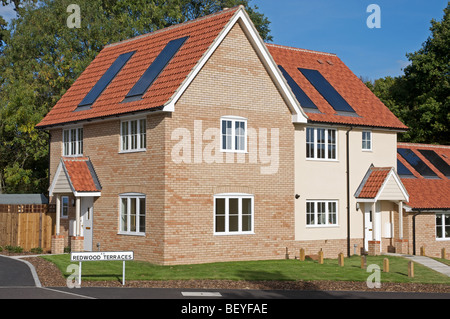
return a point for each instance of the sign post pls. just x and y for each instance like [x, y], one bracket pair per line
[102, 256]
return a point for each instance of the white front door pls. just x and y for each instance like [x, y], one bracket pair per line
[87, 217]
[368, 224]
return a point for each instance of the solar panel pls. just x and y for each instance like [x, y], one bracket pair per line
[403, 171]
[301, 96]
[437, 161]
[104, 81]
[416, 163]
[155, 69]
[327, 90]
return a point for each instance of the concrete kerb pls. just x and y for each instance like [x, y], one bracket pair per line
[426, 261]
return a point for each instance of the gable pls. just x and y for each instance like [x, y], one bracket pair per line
[203, 36]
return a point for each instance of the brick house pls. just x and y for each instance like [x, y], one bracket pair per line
[201, 143]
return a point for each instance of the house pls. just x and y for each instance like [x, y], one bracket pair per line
[201, 143]
[425, 172]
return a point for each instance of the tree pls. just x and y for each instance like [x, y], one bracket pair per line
[41, 58]
[421, 97]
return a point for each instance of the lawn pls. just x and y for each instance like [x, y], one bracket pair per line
[290, 270]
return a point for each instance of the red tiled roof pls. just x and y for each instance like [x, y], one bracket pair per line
[426, 193]
[202, 33]
[371, 111]
[373, 181]
[81, 174]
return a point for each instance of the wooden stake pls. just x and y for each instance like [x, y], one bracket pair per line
[321, 256]
[411, 269]
[302, 254]
[385, 265]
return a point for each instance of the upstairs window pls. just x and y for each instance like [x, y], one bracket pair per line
[321, 143]
[133, 135]
[73, 142]
[367, 141]
[234, 134]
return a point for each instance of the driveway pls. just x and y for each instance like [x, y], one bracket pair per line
[16, 273]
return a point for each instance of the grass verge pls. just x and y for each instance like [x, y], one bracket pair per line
[283, 270]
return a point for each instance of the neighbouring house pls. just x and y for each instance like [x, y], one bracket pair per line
[201, 143]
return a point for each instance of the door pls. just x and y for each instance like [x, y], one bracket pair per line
[368, 233]
[368, 224]
[87, 218]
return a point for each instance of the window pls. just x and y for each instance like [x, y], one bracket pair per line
[233, 214]
[133, 135]
[367, 141]
[73, 142]
[443, 226]
[321, 213]
[65, 206]
[321, 143]
[132, 214]
[234, 134]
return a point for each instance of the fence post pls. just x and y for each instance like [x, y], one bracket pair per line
[302, 254]
[321, 256]
[422, 251]
[411, 269]
[443, 254]
[363, 262]
[385, 265]
[341, 259]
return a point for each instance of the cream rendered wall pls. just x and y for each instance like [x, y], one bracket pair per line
[327, 180]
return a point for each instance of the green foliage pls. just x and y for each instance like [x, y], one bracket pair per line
[421, 97]
[40, 58]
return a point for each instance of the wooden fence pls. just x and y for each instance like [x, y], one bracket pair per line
[27, 226]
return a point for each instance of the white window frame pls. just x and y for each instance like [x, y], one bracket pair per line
[325, 204]
[367, 137]
[233, 135]
[130, 142]
[129, 197]
[73, 146]
[227, 198]
[326, 144]
[64, 206]
[442, 226]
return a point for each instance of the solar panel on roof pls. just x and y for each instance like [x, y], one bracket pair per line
[327, 90]
[437, 161]
[403, 171]
[104, 81]
[155, 69]
[416, 163]
[301, 96]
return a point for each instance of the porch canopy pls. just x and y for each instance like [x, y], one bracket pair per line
[382, 183]
[74, 175]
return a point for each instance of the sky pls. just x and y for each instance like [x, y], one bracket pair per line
[340, 27]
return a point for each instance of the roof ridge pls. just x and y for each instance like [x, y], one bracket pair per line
[300, 50]
[423, 145]
[174, 26]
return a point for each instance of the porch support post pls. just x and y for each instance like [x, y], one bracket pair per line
[78, 219]
[400, 220]
[374, 224]
[58, 214]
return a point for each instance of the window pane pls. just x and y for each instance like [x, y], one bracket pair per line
[143, 133]
[331, 144]
[134, 136]
[310, 143]
[226, 134]
[142, 215]
[66, 142]
[80, 141]
[233, 215]
[240, 136]
[332, 213]
[124, 136]
[132, 215]
[310, 213]
[220, 214]
[246, 214]
[320, 143]
[73, 140]
[321, 213]
[124, 214]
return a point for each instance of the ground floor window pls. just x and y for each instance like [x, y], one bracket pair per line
[233, 214]
[443, 226]
[321, 213]
[132, 214]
